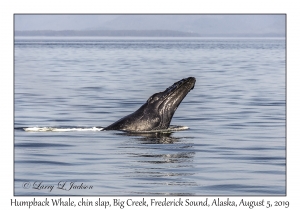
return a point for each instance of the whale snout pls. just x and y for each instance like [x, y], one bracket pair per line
[190, 81]
[193, 81]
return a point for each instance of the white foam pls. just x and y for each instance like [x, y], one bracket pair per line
[169, 130]
[52, 129]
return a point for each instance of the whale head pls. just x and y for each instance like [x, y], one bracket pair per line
[158, 111]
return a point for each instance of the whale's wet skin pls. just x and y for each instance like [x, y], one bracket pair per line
[153, 116]
[157, 112]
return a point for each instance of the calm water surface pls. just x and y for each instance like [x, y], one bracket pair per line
[235, 144]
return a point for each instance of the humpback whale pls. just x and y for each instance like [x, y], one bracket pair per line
[157, 112]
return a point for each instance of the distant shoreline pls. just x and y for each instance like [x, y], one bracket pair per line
[131, 33]
[108, 33]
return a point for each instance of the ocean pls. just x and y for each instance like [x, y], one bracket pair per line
[235, 143]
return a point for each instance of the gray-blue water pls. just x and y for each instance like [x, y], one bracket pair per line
[235, 144]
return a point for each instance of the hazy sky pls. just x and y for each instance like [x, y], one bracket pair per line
[202, 24]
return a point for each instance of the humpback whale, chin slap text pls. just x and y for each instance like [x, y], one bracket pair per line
[157, 112]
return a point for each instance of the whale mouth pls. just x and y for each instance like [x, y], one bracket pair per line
[172, 97]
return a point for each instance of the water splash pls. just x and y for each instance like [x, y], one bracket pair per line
[172, 128]
[60, 129]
